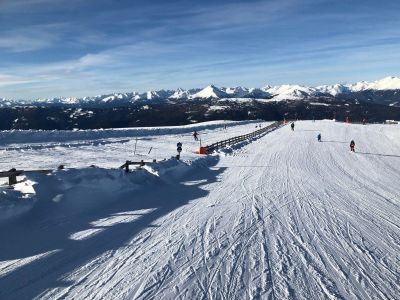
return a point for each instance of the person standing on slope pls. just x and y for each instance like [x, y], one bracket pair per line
[195, 135]
[319, 137]
[352, 146]
[292, 126]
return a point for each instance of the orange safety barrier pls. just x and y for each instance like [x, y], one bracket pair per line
[202, 150]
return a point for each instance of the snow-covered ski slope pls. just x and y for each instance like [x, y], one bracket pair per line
[110, 147]
[282, 217]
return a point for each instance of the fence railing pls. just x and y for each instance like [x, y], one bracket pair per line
[137, 163]
[237, 139]
[13, 173]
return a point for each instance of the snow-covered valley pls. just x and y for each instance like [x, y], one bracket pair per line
[278, 217]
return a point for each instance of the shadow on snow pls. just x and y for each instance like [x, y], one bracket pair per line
[339, 142]
[49, 225]
[378, 154]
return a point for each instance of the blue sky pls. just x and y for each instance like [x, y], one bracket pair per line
[87, 47]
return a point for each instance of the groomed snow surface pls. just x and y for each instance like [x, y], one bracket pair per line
[279, 217]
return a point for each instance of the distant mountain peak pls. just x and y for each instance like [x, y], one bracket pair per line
[277, 93]
[237, 91]
[387, 83]
[210, 92]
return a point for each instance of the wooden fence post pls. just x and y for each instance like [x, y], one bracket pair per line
[12, 178]
[127, 166]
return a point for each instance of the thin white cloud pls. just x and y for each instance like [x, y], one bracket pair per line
[23, 43]
[32, 38]
[16, 6]
[8, 80]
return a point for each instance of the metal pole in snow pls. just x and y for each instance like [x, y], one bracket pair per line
[134, 152]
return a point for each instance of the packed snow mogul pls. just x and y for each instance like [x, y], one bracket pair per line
[292, 126]
[319, 137]
[352, 145]
[195, 134]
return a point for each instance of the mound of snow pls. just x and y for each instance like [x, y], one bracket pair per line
[17, 201]
[77, 189]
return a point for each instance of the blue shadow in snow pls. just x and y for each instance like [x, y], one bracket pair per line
[378, 154]
[49, 225]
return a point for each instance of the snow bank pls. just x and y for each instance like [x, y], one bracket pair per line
[78, 189]
[73, 189]
[15, 202]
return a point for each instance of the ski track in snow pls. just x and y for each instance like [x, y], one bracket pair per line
[283, 217]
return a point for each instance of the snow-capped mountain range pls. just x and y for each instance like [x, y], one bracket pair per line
[272, 93]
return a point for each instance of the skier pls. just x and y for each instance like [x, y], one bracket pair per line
[352, 145]
[319, 137]
[292, 126]
[195, 135]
